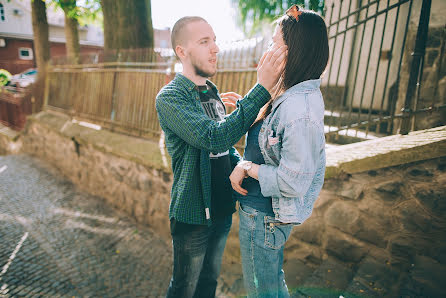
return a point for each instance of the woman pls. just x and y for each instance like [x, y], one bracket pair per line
[284, 159]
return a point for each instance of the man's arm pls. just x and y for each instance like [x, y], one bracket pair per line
[187, 120]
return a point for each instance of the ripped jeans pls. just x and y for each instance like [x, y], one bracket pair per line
[262, 239]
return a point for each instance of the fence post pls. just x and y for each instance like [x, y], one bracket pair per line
[46, 90]
[415, 68]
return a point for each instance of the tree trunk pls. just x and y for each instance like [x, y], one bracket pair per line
[41, 36]
[71, 33]
[127, 24]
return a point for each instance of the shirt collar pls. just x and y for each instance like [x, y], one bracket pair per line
[302, 87]
[183, 80]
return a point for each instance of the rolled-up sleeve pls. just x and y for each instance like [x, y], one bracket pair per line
[302, 145]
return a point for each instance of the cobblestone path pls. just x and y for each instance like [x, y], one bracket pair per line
[56, 241]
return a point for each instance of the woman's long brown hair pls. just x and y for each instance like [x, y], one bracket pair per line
[308, 53]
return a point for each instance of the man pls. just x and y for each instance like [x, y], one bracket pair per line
[199, 138]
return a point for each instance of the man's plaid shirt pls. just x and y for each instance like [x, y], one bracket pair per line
[190, 136]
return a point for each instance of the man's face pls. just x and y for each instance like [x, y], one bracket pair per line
[201, 49]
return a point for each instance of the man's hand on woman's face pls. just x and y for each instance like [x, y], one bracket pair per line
[271, 66]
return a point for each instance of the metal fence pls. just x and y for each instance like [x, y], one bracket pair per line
[368, 77]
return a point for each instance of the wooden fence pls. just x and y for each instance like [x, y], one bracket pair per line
[119, 99]
[122, 98]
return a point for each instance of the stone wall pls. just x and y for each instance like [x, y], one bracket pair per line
[126, 171]
[389, 222]
[377, 229]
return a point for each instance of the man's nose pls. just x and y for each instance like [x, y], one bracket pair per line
[215, 48]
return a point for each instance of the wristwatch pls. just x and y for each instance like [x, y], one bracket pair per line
[246, 165]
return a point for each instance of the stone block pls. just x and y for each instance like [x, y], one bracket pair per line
[352, 192]
[343, 216]
[390, 191]
[145, 182]
[343, 247]
[425, 279]
[375, 278]
[370, 231]
[310, 231]
[296, 272]
[433, 199]
[378, 210]
[331, 274]
[401, 248]
[413, 218]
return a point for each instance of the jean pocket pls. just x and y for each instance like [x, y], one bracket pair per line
[247, 211]
[276, 233]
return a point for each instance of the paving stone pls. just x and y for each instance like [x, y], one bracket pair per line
[72, 240]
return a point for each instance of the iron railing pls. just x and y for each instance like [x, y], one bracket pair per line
[363, 85]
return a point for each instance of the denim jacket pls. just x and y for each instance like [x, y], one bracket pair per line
[292, 142]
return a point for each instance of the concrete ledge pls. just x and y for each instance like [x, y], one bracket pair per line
[386, 152]
[142, 151]
[352, 158]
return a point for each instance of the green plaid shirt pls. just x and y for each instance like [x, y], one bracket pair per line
[190, 136]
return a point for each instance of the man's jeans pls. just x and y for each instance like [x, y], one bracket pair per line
[262, 239]
[197, 255]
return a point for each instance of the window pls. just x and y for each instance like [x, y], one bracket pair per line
[26, 53]
[2, 13]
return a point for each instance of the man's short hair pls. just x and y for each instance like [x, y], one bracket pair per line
[177, 35]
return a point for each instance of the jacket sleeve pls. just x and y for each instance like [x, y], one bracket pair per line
[187, 120]
[302, 145]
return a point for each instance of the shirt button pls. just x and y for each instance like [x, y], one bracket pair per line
[262, 130]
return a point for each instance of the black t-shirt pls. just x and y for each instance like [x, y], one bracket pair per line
[222, 203]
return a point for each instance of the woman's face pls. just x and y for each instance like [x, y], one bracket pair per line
[278, 37]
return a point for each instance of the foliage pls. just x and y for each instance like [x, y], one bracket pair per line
[85, 11]
[254, 13]
[5, 76]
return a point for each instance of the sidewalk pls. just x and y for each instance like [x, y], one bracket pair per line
[58, 242]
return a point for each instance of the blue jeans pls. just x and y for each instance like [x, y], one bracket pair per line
[262, 239]
[197, 255]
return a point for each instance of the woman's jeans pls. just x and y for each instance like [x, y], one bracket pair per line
[262, 239]
[197, 255]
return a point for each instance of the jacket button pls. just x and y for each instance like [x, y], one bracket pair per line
[262, 130]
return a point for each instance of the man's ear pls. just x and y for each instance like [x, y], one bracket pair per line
[181, 52]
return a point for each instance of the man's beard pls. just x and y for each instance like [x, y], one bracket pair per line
[200, 71]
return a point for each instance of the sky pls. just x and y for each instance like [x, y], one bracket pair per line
[220, 14]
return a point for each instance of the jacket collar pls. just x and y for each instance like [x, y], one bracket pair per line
[302, 87]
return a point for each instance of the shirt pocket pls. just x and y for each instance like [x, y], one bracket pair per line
[273, 145]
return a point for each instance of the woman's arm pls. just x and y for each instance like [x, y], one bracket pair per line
[302, 146]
